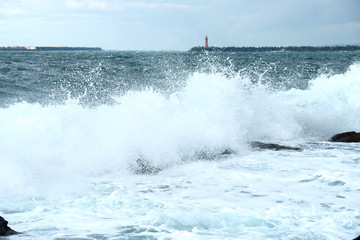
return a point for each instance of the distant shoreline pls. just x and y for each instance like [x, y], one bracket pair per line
[277, 49]
[39, 48]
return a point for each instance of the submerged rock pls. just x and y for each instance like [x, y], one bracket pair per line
[4, 229]
[346, 137]
[272, 146]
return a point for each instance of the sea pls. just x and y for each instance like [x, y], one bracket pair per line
[122, 145]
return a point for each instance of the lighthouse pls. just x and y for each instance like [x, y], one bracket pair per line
[206, 41]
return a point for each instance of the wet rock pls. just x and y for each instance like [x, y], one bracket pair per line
[346, 137]
[358, 238]
[144, 166]
[228, 151]
[272, 146]
[4, 229]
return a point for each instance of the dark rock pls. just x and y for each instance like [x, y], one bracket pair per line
[228, 151]
[272, 146]
[358, 238]
[144, 166]
[346, 137]
[4, 229]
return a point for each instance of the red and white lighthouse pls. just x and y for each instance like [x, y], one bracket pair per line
[206, 41]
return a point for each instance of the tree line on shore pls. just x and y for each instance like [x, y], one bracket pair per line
[278, 49]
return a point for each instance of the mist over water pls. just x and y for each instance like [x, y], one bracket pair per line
[74, 124]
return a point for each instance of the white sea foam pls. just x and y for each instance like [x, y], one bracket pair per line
[212, 111]
[54, 151]
[330, 105]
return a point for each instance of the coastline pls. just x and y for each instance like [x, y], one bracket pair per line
[277, 49]
[41, 48]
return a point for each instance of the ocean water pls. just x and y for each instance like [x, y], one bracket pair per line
[77, 129]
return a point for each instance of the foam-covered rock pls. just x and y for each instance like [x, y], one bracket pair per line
[144, 166]
[272, 146]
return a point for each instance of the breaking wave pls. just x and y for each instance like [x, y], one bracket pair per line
[58, 144]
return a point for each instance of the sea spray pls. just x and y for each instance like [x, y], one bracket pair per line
[67, 167]
[330, 105]
[212, 111]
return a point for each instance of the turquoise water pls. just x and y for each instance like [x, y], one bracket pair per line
[74, 126]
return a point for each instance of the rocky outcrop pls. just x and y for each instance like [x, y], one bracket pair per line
[4, 229]
[144, 166]
[358, 238]
[346, 137]
[272, 146]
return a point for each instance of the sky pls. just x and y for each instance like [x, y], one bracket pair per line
[178, 24]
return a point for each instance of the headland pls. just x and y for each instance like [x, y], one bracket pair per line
[277, 49]
[39, 48]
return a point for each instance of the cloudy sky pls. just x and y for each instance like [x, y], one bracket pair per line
[178, 24]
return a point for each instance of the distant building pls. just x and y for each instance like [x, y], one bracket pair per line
[206, 42]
